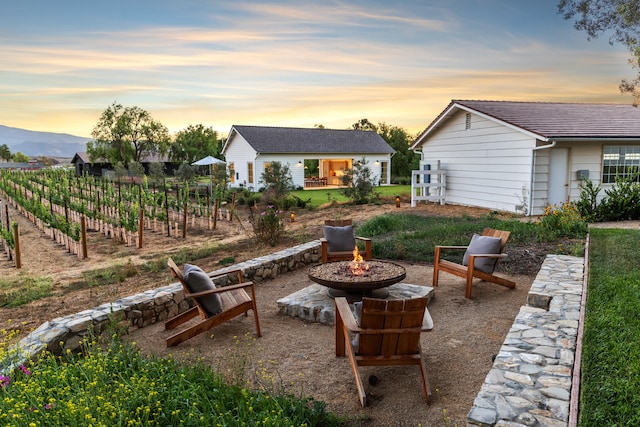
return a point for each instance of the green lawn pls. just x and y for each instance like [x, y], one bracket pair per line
[610, 383]
[326, 195]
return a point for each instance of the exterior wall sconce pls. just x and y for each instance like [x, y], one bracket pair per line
[299, 164]
[377, 162]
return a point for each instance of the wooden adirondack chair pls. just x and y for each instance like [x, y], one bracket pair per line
[343, 255]
[234, 301]
[472, 270]
[388, 334]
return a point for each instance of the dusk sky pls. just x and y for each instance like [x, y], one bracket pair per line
[290, 63]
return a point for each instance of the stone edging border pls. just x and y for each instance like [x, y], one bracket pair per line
[156, 305]
[532, 379]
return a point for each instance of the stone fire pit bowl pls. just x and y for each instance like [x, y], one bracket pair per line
[341, 282]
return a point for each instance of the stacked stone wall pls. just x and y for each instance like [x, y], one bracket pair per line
[152, 306]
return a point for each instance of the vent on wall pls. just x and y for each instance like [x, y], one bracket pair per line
[467, 123]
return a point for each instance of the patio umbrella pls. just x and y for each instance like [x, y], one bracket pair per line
[209, 160]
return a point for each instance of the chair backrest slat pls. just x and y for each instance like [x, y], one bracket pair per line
[501, 234]
[391, 314]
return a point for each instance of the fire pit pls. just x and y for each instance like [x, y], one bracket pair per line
[367, 279]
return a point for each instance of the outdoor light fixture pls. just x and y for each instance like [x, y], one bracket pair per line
[377, 162]
[299, 165]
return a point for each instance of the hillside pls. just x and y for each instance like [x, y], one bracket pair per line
[34, 143]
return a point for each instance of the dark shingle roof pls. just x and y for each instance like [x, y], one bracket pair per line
[265, 139]
[555, 120]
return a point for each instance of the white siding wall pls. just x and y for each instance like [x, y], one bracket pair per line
[540, 197]
[297, 173]
[488, 165]
[582, 156]
[240, 153]
[585, 156]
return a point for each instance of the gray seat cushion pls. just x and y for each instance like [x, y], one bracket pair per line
[340, 239]
[483, 245]
[199, 281]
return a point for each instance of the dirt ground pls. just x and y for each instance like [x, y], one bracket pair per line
[458, 352]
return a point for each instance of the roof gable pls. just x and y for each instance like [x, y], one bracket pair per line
[551, 120]
[265, 139]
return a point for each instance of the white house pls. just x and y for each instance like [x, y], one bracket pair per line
[316, 157]
[524, 156]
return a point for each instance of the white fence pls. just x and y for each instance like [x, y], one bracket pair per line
[428, 185]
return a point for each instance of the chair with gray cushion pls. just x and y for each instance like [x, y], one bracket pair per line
[214, 305]
[479, 261]
[339, 241]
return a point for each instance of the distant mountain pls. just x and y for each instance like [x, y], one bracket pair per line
[33, 143]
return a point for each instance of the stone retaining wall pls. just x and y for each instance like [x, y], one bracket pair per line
[531, 378]
[156, 305]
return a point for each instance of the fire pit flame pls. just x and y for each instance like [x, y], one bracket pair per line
[358, 267]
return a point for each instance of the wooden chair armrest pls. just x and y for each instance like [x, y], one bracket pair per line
[345, 313]
[219, 290]
[451, 247]
[363, 239]
[488, 255]
[237, 272]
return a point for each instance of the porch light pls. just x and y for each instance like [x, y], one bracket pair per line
[299, 164]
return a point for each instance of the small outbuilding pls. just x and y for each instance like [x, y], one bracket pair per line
[316, 157]
[102, 167]
[523, 156]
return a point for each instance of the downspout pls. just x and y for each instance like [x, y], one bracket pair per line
[533, 169]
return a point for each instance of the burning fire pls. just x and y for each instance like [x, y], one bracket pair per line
[358, 267]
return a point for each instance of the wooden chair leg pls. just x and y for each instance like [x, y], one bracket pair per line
[469, 284]
[356, 374]
[425, 379]
[436, 267]
[181, 318]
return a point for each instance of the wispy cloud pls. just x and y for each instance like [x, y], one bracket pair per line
[293, 63]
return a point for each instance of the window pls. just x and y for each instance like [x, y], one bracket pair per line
[232, 175]
[620, 161]
[383, 172]
[250, 172]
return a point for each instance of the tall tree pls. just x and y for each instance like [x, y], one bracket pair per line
[125, 134]
[5, 152]
[19, 157]
[619, 18]
[364, 124]
[405, 160]
[195, 142]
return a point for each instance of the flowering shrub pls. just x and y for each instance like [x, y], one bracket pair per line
[268, 225]
[563, 221]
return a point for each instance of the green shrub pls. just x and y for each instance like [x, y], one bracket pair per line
[268, 225]
[622, 201]
[587, 205]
